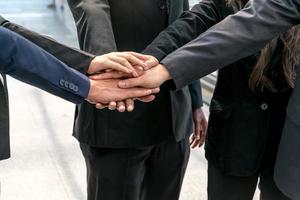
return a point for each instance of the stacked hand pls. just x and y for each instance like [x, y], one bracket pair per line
[117, 79]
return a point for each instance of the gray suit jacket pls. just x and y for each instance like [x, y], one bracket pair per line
[236, 37]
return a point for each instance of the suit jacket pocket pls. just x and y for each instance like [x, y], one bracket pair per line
[220, 109]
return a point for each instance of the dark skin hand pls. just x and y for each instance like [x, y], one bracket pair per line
[197, 139]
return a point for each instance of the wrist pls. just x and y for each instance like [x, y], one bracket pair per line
[90, 68]
[165, 74]
[92, 91]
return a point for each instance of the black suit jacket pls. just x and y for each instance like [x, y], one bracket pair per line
[105, 19]
[4, 121]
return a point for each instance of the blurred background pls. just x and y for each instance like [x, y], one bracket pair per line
[46, 162]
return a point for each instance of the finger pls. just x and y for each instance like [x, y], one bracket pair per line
[152, 62]
[194, 142]
[136, 93]
[202, 140]
[131, 82]
[121, 106]
[192, 139]
[100, 106]
[112, 105]
[139, 55]
[139, 69]
[155, 90]
[109, 75]
[198, 132]
[121, 61]
[203, 132]
[197, 135]
[147, 99]
[130, 105]
[133, 60]
[120, 64]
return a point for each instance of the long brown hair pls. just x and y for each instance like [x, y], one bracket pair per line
[291, 57]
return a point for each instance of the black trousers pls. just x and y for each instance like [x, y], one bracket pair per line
[148, 173]
[225, 187]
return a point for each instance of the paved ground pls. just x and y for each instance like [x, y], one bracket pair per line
[46, 162]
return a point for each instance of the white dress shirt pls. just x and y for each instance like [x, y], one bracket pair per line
[1, 79]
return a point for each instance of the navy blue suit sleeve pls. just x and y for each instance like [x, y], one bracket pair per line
[27, 62]
[196, 94]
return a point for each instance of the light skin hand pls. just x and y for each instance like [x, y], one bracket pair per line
[152, 78]
[150, 61]
[118, 61]
[128, 105]
[106, 91]
[197, 139]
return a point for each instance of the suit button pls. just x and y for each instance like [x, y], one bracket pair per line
[76, 88]
[274, 74]
[62, 83]
[67, 84]
[71, 86]
[264, 106]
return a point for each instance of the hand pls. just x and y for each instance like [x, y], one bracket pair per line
[112, 74]
[150, 61]
[106, 91]
[127, 105]
[152, 78]
[200, 128]
[123, 62]
[121, 106]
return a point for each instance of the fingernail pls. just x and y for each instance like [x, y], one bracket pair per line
[122, 108]
[156, 90]
[130, 108]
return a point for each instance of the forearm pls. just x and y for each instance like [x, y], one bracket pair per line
[28, 63]
[186, 28]
[74, 58]
[236, 37]
[196, 94]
